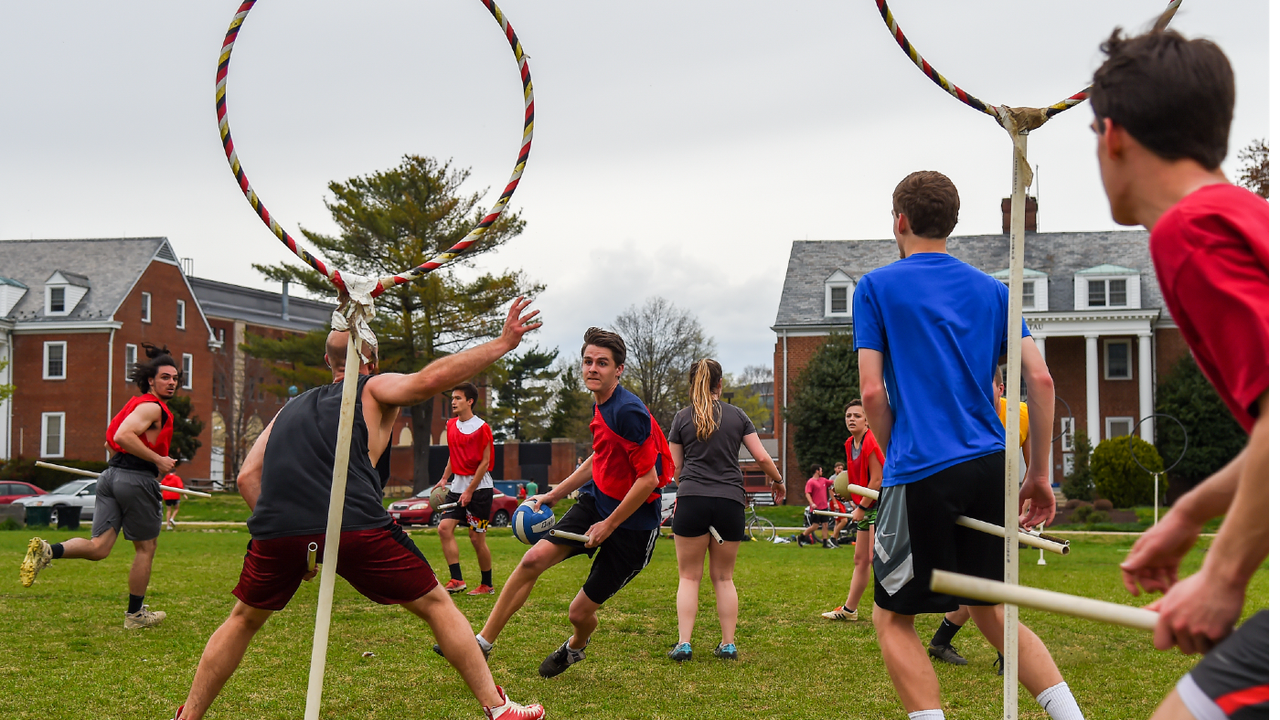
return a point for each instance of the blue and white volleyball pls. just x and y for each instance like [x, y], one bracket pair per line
[530, 525]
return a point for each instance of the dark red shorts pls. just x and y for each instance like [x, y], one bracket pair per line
[382, 564]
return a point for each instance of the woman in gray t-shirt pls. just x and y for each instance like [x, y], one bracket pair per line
[704, 442]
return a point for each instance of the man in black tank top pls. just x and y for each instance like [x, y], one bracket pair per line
[286, 480]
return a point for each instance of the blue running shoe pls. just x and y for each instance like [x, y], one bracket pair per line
[726, 651]
[681, 652]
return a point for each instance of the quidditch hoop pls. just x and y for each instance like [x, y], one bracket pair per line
[228, 146]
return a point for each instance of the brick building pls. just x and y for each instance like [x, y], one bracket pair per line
[1091, 300]
[73, 317]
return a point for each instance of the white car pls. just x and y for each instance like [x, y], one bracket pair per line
[77, 492]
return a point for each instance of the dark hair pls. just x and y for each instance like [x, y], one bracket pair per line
[1173, 95]
[931, 203]
[704, 376]
[814, 469]
[469, 391]
[851, 403]
[143, 373]
[611, 341]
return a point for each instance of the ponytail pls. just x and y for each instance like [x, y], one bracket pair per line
[704, 377]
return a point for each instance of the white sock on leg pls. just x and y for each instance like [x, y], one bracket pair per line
[1060, 703]
[927, 715]
[484, 643]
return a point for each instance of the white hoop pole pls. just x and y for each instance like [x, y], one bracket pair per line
[1012, 421]
[1046, 600]
[92, 474]
[569, 536]
[333, 530]
[1156, 503]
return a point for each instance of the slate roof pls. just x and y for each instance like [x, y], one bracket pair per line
[259, 307]
[1059, 255]
[110, 267]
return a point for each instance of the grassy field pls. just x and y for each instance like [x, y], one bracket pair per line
[64, 654]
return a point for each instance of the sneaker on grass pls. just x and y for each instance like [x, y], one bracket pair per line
[947, 654]
[681, 652]
[560, 660]
[510, 710]
[481, 590]
[143, 618]
[455, 586]
[841, 614]
[486, 650]
[999, 663]
[39, 556]
[726, 651]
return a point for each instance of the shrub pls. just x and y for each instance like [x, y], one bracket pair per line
[1103, 504]
[1078, 484]
[1073, 504]
[1119, 478]
[1213, 435]
[1097, 516]
[1081, 514]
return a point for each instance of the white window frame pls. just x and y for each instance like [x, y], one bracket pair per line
[1106, 359]
[838, 279]
[187, 362]
[1125, 419]
[146, 307]
[1132, 295]
[48, 301]
[182, 314]
[1068, 432]
[44, 434]
[45, 368]
[129, 362]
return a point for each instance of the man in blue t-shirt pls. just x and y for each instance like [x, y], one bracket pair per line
[930, 331]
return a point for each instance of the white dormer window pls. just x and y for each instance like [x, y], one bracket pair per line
[63, 291]
[1035, 289]
[1108, 287]
[57, 300]
[838, 290]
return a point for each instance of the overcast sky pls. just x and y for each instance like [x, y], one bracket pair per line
[679, 147]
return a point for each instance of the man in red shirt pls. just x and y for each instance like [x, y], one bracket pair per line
[1163, 107]
[866, 468]
[127, 496]
[171, 499]
[817, 491]
[470, 457]
[618, 506]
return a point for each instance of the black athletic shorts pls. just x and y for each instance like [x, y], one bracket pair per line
[622, 556]
[476, 513]
[172, 503]
[1232, 681]
[696, 514]
[916, 533]
[820, 520]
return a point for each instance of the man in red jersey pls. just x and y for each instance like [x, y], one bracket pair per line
[127, 495]
[470, 486]
[618, 507]
[172, 500]
[1163, 107]
[866, 469]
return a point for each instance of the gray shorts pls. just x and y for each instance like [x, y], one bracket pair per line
[128, 499]
[1232, 680]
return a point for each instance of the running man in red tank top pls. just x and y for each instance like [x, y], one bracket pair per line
[127, 495]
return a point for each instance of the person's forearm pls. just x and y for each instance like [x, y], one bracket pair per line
[879, 415]
[1040, 400]
[448, 471]
[1241, 545]
[478, 476]
[1212, 497]
[576, 479]
[452, 369]
[638, 495]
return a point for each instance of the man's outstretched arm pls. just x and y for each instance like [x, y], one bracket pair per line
[403, 390]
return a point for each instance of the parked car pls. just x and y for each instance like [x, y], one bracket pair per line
[76, 492]
[12, 490]
[668, 503]
[417, 510]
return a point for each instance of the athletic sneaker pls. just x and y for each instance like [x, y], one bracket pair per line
[801, 541]
[999, 663]
[455, 586]
[560, 660]
[830, 545]
[510, 710]
[726, 651]
[436, 649]
[680, 652]
[39, 556]
[143, 618]
[481, 590]
[841, 614]
[947, 653]
[178, 715]
[171, 525]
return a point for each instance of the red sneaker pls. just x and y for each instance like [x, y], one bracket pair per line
[509, 710]
[455, 586]
[482, 590]
[178, 715]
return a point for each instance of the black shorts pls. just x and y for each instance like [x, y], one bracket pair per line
[820, 520]
[916, 530]
[476, 513]
[173, 503]
[622, 556]
[1232, 680]
[696, 514]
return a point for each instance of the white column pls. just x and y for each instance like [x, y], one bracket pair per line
[1040, 345]
[1148, 430]
[1091, 388]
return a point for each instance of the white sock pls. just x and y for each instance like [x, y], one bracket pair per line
[927, 715]
[1060, 703]
[484, 643]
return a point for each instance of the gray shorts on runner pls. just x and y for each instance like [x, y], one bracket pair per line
[1232, 681]
[128, 500]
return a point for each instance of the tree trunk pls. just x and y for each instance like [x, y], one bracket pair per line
[422, 413]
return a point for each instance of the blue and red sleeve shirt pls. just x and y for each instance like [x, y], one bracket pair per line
[626, 444]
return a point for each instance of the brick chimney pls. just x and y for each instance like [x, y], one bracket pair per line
[1006, 207]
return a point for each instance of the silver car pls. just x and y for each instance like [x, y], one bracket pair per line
[76, 492]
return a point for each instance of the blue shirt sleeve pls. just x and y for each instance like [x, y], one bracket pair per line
[868, 326]
[632, 423]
